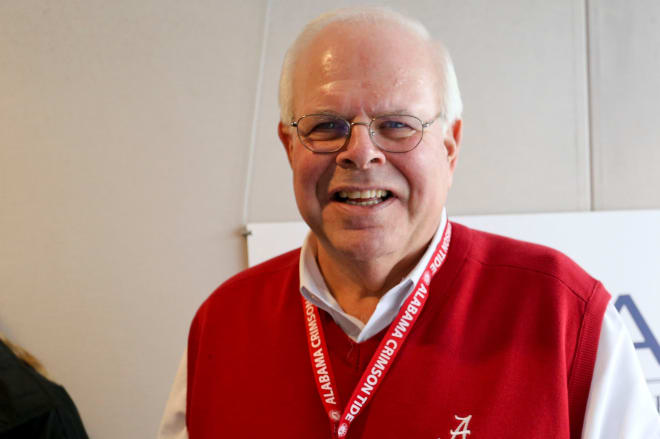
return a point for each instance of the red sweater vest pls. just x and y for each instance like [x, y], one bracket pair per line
[508, 336]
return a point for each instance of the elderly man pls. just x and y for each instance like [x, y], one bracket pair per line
[391, 321]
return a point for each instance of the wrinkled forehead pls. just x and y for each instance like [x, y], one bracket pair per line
[373, 67]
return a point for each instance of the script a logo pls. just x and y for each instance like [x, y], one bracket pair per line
[462, 429]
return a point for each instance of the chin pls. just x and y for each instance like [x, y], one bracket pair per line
[361, 246]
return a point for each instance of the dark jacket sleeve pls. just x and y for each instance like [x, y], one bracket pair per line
[33, 407]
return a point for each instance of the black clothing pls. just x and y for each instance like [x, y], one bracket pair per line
[31, 406]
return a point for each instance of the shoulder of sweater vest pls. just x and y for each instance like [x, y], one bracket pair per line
[501, 252]
[251, 280]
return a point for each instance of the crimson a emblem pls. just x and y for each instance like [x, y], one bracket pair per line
[343, 429]
[334, 415]
[427, 277]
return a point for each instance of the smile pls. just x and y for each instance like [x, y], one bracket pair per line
[363, 198]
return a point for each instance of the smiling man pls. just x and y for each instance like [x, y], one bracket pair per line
[392, 321]
[372, 153]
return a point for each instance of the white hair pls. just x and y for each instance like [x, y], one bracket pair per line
[450, 96]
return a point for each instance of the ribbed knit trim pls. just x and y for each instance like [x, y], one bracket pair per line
[585, 358]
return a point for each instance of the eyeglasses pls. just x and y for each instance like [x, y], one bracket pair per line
[326, 133]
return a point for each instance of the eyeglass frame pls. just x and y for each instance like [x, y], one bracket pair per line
[366, 124]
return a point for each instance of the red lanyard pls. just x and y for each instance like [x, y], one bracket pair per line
[383, 357]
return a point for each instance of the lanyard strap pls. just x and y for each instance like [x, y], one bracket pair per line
[382, 359]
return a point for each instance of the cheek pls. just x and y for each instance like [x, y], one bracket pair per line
[309, 177]
[428, 180]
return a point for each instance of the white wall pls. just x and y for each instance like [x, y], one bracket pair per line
[625, 83]
[137, 138]
[123, 149]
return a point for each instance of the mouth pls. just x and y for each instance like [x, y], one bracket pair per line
[366, 198]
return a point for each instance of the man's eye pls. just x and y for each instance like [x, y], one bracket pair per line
[326, 130]
[395, 129]
[325, 126]
[393, 124]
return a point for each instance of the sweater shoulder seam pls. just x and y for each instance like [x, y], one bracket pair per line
[544, 273]
[246, 275]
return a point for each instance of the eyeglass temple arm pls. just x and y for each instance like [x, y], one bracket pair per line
[430, 122]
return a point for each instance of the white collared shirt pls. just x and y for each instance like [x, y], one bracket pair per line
[620, 405]
[314, 289]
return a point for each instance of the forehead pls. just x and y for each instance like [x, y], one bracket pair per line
[368, 67]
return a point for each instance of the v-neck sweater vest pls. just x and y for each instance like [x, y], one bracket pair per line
[508, 337]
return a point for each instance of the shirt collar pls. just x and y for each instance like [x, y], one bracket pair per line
[314, 289]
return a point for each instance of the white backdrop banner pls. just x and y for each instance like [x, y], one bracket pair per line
[622, 249]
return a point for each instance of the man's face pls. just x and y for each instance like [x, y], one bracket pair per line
[359, 72]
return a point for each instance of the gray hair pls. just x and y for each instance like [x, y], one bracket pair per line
[450, 96]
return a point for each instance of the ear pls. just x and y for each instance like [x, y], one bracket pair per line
[284, 133]
[452, 142]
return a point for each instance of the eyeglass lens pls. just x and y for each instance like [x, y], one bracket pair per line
[327, 133]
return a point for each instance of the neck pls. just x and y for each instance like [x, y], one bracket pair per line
[358, 285]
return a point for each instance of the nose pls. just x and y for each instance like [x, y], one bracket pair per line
[360, 152]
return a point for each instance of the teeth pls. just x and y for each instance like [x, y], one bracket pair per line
[378, 193]
[373, 196]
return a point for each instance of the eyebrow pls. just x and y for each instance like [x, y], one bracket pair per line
[400, 111]
[326, 111]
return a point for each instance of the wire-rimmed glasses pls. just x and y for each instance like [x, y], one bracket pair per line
[326, 133]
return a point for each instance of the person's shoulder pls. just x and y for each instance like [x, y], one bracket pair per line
[278, 266]
[257, 290]
[501, 253]
[32, 398]
[253, 284]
